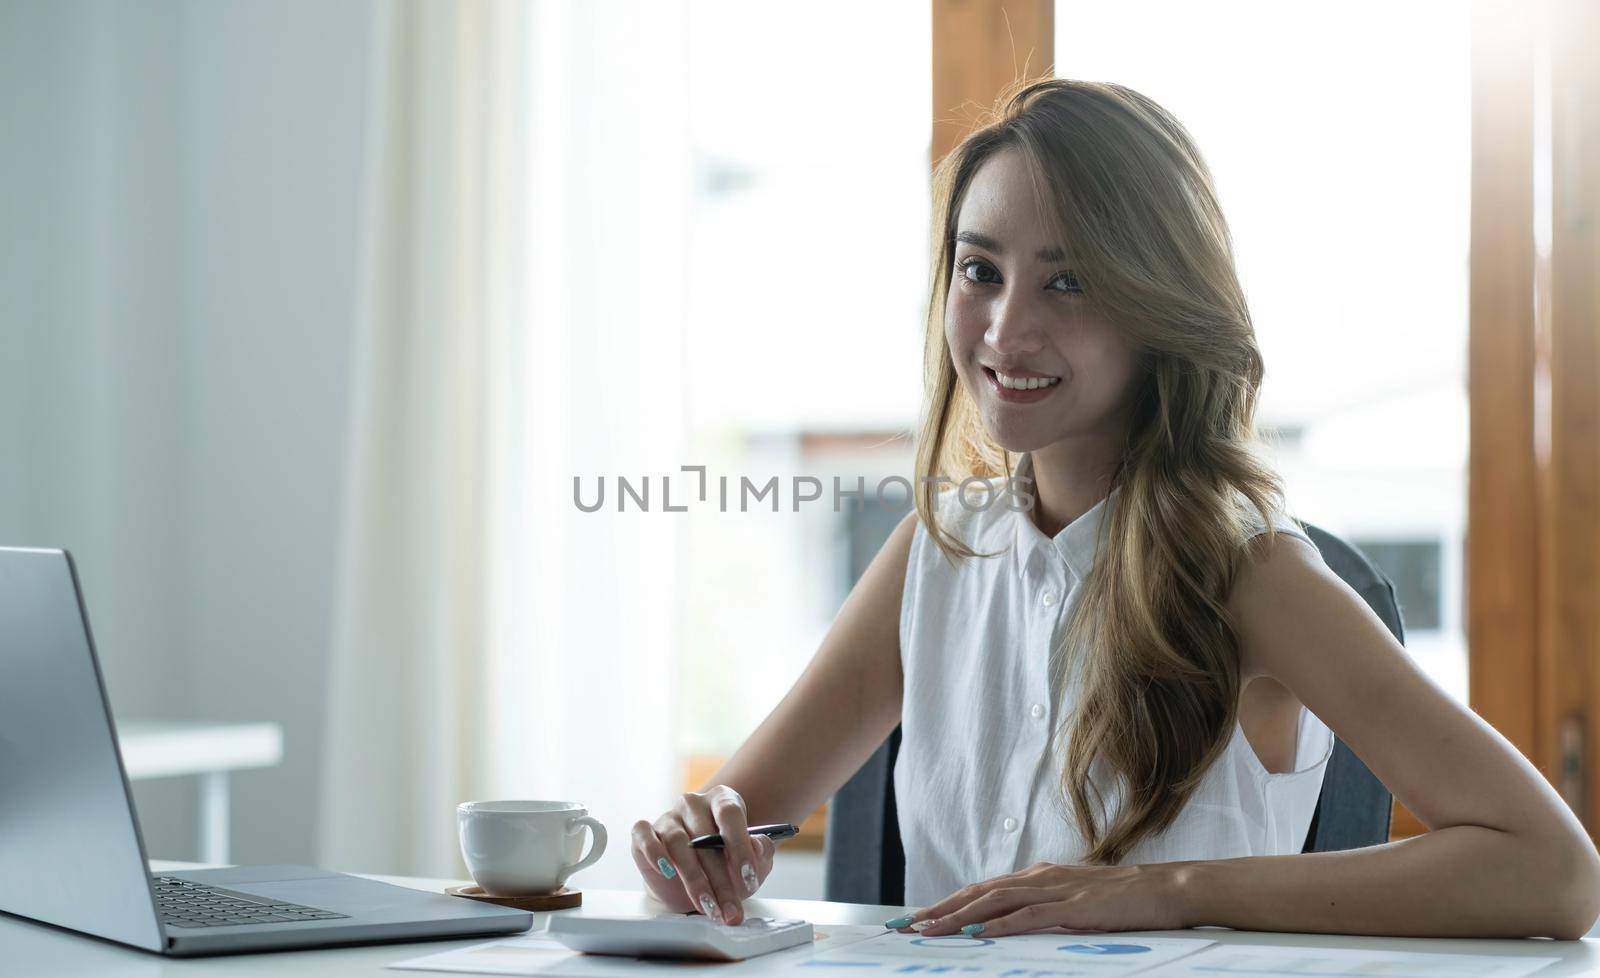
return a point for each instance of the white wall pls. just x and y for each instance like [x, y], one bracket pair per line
[178, 207]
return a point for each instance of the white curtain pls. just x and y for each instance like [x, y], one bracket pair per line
[520, 323]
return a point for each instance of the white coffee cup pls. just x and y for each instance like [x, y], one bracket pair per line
[522, 848]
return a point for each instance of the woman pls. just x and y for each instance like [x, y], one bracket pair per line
[1116, 677]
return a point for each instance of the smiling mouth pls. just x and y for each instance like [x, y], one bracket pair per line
[1020, 383]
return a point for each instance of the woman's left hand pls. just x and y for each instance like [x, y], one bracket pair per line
[1094, 899]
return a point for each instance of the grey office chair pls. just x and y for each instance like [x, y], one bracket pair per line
[866, 864]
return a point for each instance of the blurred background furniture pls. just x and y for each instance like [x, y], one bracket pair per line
[176, 748]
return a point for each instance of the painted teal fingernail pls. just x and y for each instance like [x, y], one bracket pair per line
[972, 929]
[666, 868]
[898, 922]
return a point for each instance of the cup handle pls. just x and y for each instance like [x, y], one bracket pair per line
[597, 848]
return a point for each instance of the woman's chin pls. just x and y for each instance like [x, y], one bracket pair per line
[1021, 428]
[1016, 438]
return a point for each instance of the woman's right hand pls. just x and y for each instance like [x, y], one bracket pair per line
[715, 882]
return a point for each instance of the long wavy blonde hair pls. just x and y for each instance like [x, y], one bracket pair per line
[1137, 215]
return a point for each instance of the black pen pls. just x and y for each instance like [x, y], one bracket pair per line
[781, 830]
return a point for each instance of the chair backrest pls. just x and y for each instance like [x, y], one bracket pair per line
[865, 861]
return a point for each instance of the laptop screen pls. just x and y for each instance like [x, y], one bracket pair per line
[70, 849]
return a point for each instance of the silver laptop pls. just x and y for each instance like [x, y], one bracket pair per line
[71, 853]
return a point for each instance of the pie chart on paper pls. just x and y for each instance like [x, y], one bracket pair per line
[1104, 948]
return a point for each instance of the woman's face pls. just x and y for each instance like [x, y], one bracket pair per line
[1039, 363]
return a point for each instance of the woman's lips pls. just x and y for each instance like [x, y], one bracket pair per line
[1012, 395]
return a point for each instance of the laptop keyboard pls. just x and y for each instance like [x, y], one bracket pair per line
[184, 903]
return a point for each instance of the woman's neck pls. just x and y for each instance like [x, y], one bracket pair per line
[1070, 476]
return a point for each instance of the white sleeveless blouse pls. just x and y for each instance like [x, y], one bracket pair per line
[976, 785]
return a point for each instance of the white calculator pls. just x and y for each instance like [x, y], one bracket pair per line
[677, 935]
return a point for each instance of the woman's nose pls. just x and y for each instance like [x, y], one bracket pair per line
[1013, 326]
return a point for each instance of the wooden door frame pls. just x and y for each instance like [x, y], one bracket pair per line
[1533, 524]
[979, 48]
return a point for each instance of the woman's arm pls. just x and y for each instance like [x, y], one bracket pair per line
[840, 709]
[1504, 856]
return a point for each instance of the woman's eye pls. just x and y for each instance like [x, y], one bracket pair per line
[972, 269]
[1066, 282]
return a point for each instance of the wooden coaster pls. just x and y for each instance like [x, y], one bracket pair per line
[561, 899]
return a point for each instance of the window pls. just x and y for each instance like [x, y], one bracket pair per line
[807, 283]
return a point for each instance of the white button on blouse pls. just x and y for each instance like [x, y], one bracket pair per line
[975, 650]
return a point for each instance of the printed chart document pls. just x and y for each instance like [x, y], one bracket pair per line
[841, 949]
[1264, 961]
[1016, 956]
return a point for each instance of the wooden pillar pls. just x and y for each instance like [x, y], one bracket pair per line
[1533, 537]
[1569, 325]
[979, 48]
[1502, 486]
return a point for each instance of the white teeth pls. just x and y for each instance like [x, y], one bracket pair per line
[1026, 383]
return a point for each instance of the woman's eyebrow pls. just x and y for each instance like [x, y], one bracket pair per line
[981, 240]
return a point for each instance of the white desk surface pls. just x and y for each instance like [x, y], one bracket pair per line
[28, 949]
